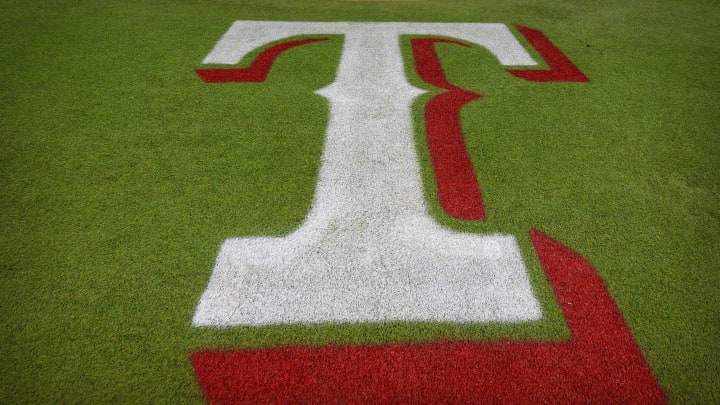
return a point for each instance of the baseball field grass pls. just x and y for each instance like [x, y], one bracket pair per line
[121, 173]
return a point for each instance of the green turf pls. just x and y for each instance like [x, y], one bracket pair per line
[121, 173]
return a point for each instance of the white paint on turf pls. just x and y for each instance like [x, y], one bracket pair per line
[368, 251]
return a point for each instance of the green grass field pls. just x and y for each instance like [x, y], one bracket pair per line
[121, 173]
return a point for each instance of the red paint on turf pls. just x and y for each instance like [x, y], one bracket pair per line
[458, 189]
[561, 68]
[600, 364]
[258, 69]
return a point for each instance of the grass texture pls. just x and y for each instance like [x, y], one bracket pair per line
[121, 173]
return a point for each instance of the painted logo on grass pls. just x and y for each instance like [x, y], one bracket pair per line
[369, 251]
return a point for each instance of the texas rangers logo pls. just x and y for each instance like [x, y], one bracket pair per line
[369, 251]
